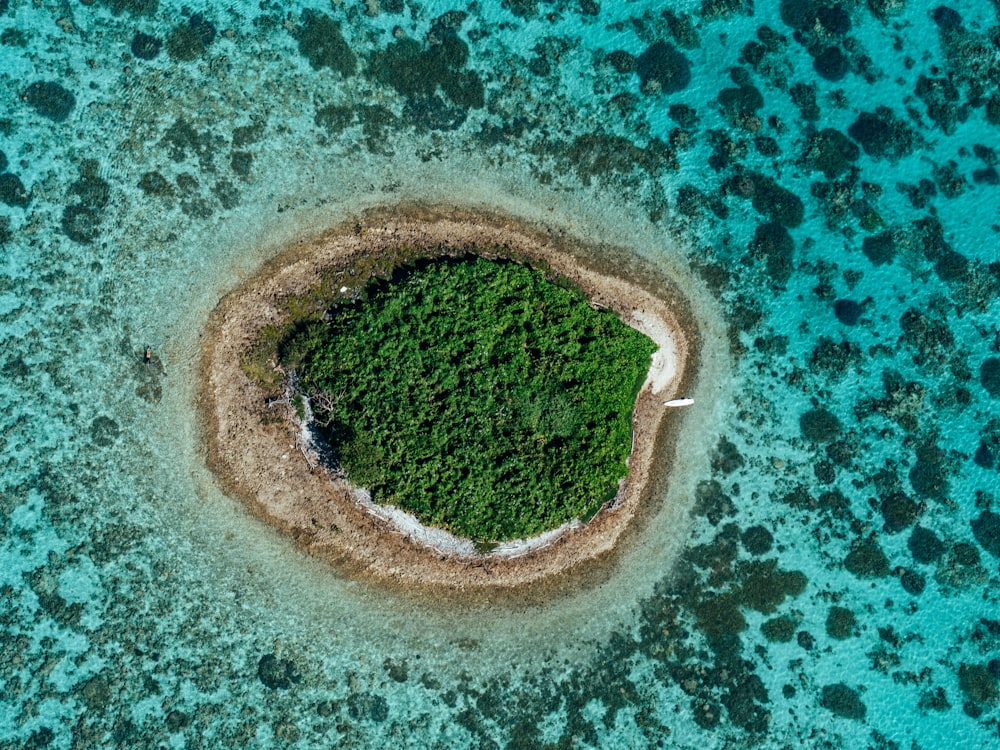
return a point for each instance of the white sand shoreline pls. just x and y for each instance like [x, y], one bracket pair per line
[663, 368]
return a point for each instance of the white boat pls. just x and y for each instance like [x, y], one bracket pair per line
[679, 402]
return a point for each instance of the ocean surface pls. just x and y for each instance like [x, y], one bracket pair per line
[821, 177]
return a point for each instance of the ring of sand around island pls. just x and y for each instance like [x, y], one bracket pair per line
[261, 461]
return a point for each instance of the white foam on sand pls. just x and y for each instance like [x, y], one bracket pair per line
[449, 544]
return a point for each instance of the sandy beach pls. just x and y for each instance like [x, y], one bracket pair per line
[260, 460]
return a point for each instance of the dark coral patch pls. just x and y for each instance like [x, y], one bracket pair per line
[182, 140]
[683, 115]
[104, 431]
[993, 110]
[719, 616]
[432, 112]
[775, 246]
[521, 8]
[763, 586]
[951, 266]
[247, 135]
[898, 511]
[227, 194]
[602, 155]
[744, 99]
[830, 152]
[189, 41]
[943, 101]
[834, 19]
[203, 28]
[843, 701]
[960, 567]
[988, 452]
[176, 720]
[405, 66]
[819, 425]
[808, 17]
[154, 183]
[989, 376]
[779, 629]
[12, 191]
[986, 530]
[804, 97]
[978, 684]
[848, 311]
[947, 18]
[81, 220]
[367, 707]
[867, 560]
[798, 14]
[726, 457]
[622, 61]
[880, 249]
[277, 674]
[831, 64]
[663, 68]
[766, 146]
[913, 582]
[95, 693]
[840, 623]
[985, 456]
[50, 99]
[965, 554]
[924, 545]
[418, 72]
[90, 189]
[712, 502]
[757, 540]
[825, 472]
[928, 336]
[241, 162]
[184, 44]
[882, 134]
[322, 43]
[769, 198]
[145, 46]
[334, 118]
[80, 224]
[132, 7]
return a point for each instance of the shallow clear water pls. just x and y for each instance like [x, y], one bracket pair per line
[142, 607]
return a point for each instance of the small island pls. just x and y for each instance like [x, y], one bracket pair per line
[475, 394]
[445, 400]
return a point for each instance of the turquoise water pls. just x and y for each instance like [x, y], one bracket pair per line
[823, 571]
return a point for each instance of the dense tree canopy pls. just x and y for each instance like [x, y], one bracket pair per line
[476, 394]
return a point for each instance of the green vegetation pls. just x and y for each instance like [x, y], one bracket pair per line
[299, 310]
[474, 393]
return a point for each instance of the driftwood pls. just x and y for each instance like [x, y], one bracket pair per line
[304, 452]
[326, 403]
